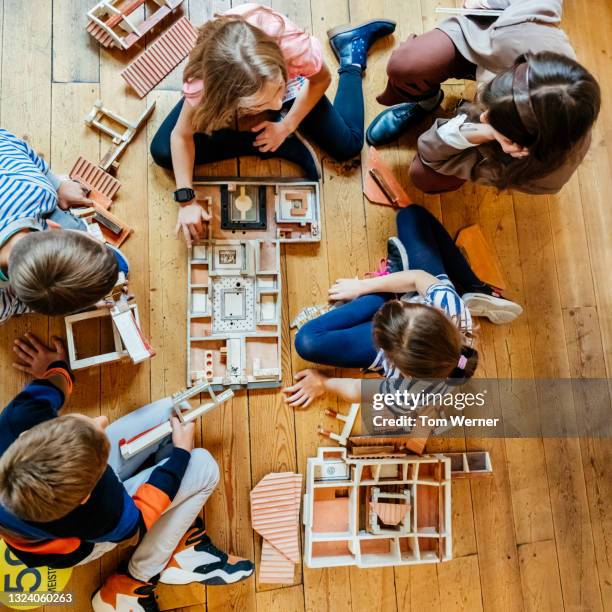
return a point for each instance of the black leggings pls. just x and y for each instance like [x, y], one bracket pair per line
[337, 129]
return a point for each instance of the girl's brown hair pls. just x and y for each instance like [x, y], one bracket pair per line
[565, 100]
[235, 60]
[422, 342]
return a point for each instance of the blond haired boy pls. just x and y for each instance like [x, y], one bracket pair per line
[67, 497]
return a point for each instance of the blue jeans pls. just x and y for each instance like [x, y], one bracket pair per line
[337, 128]
[343, 337]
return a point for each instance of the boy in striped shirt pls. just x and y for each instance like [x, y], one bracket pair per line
[52, 273]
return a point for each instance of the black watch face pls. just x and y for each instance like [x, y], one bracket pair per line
[184, 195]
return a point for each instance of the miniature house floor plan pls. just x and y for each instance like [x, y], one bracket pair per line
[372, 512]
[285, 210]
[234, 281]
[233, 331]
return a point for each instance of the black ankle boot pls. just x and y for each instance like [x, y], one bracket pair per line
[351, 44]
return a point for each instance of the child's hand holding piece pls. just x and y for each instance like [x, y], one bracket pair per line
[71, 194]
[191, 219]
[35, 357]
[183, 434]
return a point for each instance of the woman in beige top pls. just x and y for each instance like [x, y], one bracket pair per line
[529, 126]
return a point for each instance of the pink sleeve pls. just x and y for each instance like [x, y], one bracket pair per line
[193, 90]
[303, 53]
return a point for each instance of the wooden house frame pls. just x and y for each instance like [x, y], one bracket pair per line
[292, 208]
[234, 313]
[337, 510]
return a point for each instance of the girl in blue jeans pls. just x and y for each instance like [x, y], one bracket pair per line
[425, 334]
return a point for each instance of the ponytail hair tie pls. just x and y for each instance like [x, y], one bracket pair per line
[462, 362]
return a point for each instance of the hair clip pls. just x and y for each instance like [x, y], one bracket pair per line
[462, 362]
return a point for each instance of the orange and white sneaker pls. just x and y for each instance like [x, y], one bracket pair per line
[120, 593]
[197, 559]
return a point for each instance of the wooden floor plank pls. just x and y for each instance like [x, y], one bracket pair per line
[76, 54]
[541, 586]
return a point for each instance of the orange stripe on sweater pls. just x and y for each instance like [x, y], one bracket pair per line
[151, 502]
[60, 546]
[61, 372]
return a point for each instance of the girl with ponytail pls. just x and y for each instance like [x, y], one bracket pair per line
[410, 322]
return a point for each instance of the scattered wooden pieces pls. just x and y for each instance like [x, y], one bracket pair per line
[161, 58]
[94, 178]
[103, 119]
[379, 183]
[275, 515]
[110, 24]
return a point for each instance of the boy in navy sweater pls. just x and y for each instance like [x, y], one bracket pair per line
[67, 497]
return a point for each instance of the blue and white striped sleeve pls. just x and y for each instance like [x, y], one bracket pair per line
[41, 164]
[445, 297]
[10, 305]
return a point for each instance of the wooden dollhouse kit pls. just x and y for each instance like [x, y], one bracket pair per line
[376, 511]
[234, 280]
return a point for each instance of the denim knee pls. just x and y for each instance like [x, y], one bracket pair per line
[348, 149]
[411, 213]
[306, 344]
[161, 151]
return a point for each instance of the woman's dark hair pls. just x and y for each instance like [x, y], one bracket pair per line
[422, 341]
[565, 99]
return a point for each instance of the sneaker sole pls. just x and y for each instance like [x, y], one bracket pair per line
[402, 251]
[341, 29]
[490, 309]
[174, 575]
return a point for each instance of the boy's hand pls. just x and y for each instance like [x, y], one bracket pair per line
[71, 194]
[35, 357]
[182, 434]
[309, 385]
[191, 219]
[346, 289]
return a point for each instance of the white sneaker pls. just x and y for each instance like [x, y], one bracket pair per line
[497, 309]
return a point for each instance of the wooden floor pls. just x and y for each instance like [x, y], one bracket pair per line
[538, 536]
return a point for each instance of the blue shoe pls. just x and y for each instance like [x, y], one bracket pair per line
[397, 257]
[395, 120]
[352, 43]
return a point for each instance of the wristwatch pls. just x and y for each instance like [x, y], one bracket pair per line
[183, 195]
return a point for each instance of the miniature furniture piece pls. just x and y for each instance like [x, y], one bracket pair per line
[379, 183]
[268, 209]
[128, 341]
[110, 23]
[102, 119]
[161, 58]
[366, 445]
[376, 512]
[105, 226]
[348, 420]
[471, 464]
[233, 321]
[388, 517]
[101, 184]
[275, 516]
[481, 257]
[183, 410]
